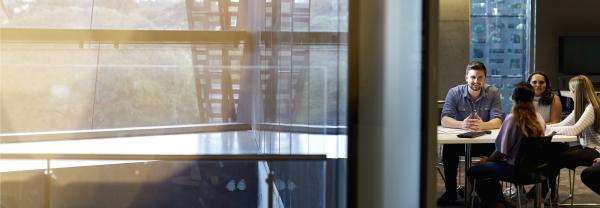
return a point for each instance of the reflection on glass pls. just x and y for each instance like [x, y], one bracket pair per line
[144, 85]
[169, 184]
[147, 15]
[46, 87]
[501, 25]
[97, 84]
[63, 14]
[276, 70]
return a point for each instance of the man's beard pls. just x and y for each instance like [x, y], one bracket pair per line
[475, 87]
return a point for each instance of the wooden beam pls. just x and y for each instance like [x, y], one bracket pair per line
[123, 36]
[308, 38]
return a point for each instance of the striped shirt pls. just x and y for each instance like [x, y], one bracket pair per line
[583, 128]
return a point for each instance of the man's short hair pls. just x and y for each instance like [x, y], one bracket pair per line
[476, 65]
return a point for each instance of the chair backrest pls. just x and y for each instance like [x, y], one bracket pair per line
[532, 152]
[567, 104]
[440, 107]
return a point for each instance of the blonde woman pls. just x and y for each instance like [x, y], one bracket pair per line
[583, 122]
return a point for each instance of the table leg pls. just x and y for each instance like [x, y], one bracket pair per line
[467, 184]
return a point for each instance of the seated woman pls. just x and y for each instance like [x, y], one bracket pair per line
[545, 102]
[550, 107]
[523, 122]
[584, 122]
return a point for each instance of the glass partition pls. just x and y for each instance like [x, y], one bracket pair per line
[194, 76]
[127, 64]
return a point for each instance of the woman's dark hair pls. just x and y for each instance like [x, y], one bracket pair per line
[547, 96]
[522, 93]
[524, 112]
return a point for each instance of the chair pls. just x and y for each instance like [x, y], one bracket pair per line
[571, 196]
[439, 165]
[530, 167]
[571, 184]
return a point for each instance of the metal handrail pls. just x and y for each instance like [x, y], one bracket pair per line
[302, 128]
[122, 132]
[56, 156]
[167, 130]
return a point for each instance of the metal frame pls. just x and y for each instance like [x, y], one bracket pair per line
[121, 132]
[572, 191]
[268, 157]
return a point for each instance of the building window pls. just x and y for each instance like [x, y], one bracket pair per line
[506, 50]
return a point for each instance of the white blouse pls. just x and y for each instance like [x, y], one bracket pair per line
[544, 110]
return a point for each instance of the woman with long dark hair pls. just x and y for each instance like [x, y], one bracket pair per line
[523, 122]
[546, 103]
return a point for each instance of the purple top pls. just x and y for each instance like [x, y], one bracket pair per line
[509, 136]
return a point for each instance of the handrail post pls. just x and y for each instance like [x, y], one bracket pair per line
[48, 181]
[270, 189]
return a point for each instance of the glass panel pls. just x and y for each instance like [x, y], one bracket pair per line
[500, 39]
[217, 15]
[272, 142]
[64, 14]
[302, 183]
[283, 77]
[140, 14]
[22, 183]
[145, 85]
[157, 184]
[85, 183]
[115, 85]
[329, 16]
[46, 87]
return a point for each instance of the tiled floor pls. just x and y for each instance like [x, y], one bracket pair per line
[583, 195]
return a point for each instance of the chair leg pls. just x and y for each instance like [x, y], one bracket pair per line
[571, 181]
[439, 170]
[473, 193]
[557, 185]
[538, 195]
[519, 187]
[440, 163]
[572, 173]
[572, 185]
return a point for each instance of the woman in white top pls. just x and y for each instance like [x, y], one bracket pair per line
[545, 102]
[583, 122]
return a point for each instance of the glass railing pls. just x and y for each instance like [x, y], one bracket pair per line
[105, 180]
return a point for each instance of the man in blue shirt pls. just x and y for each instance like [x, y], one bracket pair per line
[473, 106]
